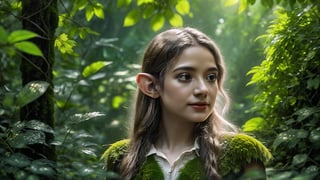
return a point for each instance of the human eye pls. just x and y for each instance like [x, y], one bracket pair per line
[212, 77]
[184, 77]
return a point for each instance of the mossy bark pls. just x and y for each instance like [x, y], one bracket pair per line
[41, 17]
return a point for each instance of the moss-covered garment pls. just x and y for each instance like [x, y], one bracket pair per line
[238, 150]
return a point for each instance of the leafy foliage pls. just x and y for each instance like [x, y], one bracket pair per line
[94, 68]
[244, 4]
[78, 148]
[288, 81]
[24, 134]
[64, 44]
[16, 137]
[157, 11]
[18, 40]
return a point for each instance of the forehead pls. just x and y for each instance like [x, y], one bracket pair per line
[195, 56]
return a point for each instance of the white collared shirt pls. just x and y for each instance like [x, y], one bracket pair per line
[172, 172]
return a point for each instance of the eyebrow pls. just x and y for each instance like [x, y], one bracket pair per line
[189, 68]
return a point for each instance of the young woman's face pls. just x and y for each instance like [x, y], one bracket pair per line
[190, 86]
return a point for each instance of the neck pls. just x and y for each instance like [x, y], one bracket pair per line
[175, 136]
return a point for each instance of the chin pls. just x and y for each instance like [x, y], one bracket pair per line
[199, 120]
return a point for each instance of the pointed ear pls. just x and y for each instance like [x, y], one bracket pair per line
[147, 84]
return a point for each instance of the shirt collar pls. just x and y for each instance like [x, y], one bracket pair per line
[195, 148]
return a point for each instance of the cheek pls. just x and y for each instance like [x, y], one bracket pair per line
[214, 92]
[175, 90]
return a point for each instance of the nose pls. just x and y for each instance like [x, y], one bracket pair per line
[201, 88]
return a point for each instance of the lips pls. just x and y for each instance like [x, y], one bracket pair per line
[199, 106]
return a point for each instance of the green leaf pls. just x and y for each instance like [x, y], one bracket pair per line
[89, 151]
[17, 5]
[89, 13]
[312, 169]
[64, 44]
[89, 144]
[18, 126]
[299, 159]
[98, 10]
[117, 101]
[31, 92]
[3, 35]
[90, 31]
[315, 137]
[27, 138]
[2, 112]
[243, 6]
[176, 20]
[34, 137]
[78, 118]
[20, 35]
[86, 171]
[81, 4]
[258, 75]
[28, 47]
[121, 3]
[82, 33]
[40, 126]
[157, 22]
[141, 2]
[183, 7]
[313, 83]
[62, 19]
[305, 112]
[131, 18]
[42, 167]
[282, 138]
[301, 133]
[254, 124]
[230, 2]
[18, 160]
[82, 135]
[290, 137]
[148, 11]
[8, 99]
[94, 68]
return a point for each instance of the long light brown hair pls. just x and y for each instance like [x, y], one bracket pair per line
[162, 51]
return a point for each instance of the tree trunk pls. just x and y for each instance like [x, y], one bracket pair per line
[41, 17]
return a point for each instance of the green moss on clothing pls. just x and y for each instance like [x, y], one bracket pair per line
[238, 150]
[150, 170]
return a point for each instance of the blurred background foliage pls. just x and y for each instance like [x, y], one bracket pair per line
[271, 48]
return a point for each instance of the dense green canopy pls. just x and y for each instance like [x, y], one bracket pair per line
[67, 84]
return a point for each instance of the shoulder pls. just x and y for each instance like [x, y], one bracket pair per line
[112, 157]
[239, 150]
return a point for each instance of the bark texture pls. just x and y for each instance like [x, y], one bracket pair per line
[41, 17]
